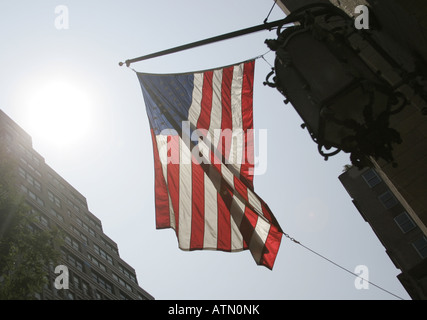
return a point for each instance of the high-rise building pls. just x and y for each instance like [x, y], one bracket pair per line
[95, 268]
[400, 234]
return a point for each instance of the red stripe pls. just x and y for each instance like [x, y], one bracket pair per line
[198, 207]
[160, 189]
[271, 247]
[224, 224]
[247, 115]
[206, 103]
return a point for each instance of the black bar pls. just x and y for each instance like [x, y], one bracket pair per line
[265, 26]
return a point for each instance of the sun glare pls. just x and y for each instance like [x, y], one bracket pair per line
[60, 113]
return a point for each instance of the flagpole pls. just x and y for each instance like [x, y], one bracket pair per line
[264, 26]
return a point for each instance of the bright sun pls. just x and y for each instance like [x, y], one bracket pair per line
[60, 113]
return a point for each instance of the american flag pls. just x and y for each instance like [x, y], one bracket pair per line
[202, 133]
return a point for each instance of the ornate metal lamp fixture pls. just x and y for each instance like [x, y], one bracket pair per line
[344, 104]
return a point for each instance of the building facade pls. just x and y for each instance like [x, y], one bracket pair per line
[404, 241]
[95, 269]
[399, 30]
[396, 206]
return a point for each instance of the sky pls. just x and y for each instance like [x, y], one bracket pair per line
[59, 65]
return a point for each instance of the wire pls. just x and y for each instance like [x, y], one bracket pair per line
[263, 58]
[274, 4]
[341, 267]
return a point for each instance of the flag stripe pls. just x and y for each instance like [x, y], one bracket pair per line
[160, 189]
[247, 119]
[206, 103]
[216, 114]
[196, 104]
[185, 196]
[173, 175]
[198, 207]
[211, 213]
[226, 124]
[237, 125]
[259, 238]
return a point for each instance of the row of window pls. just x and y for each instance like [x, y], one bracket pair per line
[25, 174]
[78, 264]
[101, 252]
[403, 220]
[55, 181]
[57, 202]
[102, 282]
[32, 195]
[30, 179]
[69, 194]
[34, 159]
[27, 164]
[75, 244]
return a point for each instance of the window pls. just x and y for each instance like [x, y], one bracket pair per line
[86, 227]
[371, 178]
[122, 282]
[103, 254]
[127, 273]
[82, 236]
[85, 288]
[108, 245]
[57, 215]
[72, 260]
[54, 199]
[96, 262]
[405, 222]
[75, 281]
[32, 195]
[421, 246]
[102, 282]
[388, 200]
[69, 295]
[124, 296]
[72, 242]
[98, 295]
[43, 221]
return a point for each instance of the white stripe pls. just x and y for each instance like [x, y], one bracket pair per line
[216, 112]
[258, 239]
[196, 104]
[162, 147]
[237, 211]
[237, 120]
[210, 240]
[255, 202]
[185, 192]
